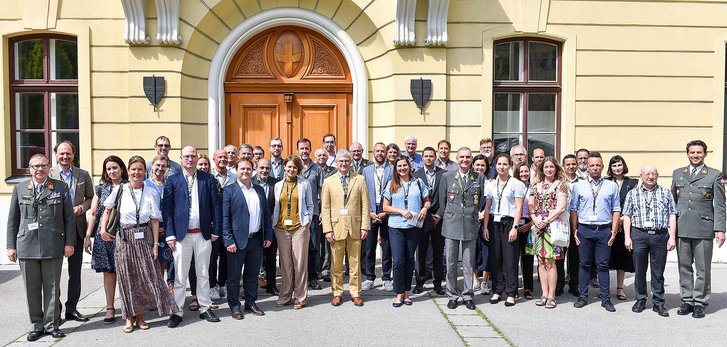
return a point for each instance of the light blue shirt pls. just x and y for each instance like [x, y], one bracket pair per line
[416, 162]
[68, 177]
[607, 201]
[413, 202]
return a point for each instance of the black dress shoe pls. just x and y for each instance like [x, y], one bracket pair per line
[684, 309]
[417, 289]
[174, 321]
[575, 292]
[698, 311]
[272, 290]
[661, 310]
[326, 278]
[255, 310]
[57, 334]
[469, 304]
[452, 304]
[581, 302]
[439, 290]
[35, 335]
[237, 314]
[639, 306]
[314, 285]
[209, 316]
[76, 316]
[608, 306]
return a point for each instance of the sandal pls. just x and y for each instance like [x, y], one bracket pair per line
[542, 301]
[170, 287]
[194, 305]
[620, 296]
[527, 294]
[297, 305]
[142, 325]
[551, 303]
[128, 328]
[108, 320]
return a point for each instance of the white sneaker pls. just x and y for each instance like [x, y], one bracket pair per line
[223, 291]
[214, 294]
[484, 288]
[389, 286]
[367, 285]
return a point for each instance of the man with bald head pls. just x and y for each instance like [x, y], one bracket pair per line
[358, 162]
[232, 157]
[193, 219]
[649, 223]
[262, 178]
[538, 158]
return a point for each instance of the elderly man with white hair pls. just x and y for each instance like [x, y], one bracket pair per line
[410, 150]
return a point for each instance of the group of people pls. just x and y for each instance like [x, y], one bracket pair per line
[230, 220]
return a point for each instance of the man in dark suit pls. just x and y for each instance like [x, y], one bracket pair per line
[246, 230]
[270, 254]
[80, 187]
[41, 230]
[432, 228]
[358, 162]
[377, 176]
[193, 216]
[700, 200]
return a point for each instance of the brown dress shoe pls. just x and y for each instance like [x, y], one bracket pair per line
[357, 301]
[237, 314]
[337, 301]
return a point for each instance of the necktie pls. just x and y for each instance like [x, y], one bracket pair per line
[694, 172]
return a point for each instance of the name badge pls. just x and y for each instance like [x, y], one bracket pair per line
[648, 224]
[593, 219]
[344, 212]
[498, 218]
[138, 235]
[288, 222]
[33, 226]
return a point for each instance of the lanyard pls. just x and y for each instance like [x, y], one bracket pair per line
[137, 204]
[289, 192]
[595, 192]
[501, 192]
[649, 199]
[430, 179]
[379, 178]
[406, 194]
[190, 185]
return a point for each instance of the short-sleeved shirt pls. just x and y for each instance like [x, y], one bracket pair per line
[649, 209]
[503, 199]
[408, 197]
[606, 197]
[147, 199]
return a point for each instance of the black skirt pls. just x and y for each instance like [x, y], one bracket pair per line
[621, 258]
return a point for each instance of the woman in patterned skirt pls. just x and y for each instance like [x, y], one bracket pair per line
[547, 202]
[102, 255]
[141, 284]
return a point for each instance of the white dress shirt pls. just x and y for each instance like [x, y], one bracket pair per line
[253, 208]
[194, 206]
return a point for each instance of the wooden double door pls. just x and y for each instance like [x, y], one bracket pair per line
[288, 82]
[255, 118]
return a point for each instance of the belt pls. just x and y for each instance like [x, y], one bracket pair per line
[194, 231]
[254, 234]
[133, 226]
[653, 231]
[596, 226]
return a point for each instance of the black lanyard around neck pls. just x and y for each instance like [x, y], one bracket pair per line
[137, 204]
[289, 193]
[501, 192]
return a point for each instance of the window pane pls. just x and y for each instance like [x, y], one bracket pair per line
[64, 111]
[507, 113]
[29, 59]
[508, 61]
[541, 113]
[29, 111]
[504, 142]
[542, 61]
[28, 144]
[64, 60]
[73, 137]
[544, 142]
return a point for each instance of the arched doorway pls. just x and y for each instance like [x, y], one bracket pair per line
[288, 82]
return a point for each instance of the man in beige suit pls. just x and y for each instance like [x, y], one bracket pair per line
[345, 214]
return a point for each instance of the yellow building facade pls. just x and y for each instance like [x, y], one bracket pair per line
[636, 78]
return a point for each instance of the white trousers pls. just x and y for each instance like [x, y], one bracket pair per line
[193, 244]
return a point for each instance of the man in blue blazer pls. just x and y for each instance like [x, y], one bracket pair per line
[246, 229]
[193, 219]
[377, 176]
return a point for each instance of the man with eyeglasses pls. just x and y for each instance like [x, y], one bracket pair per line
[487, 148]
[276, 161]
[358, 163]
[582, 158]
[162, 146]
[41, 230]
[519, 156]
[257, 154]
[329, 143]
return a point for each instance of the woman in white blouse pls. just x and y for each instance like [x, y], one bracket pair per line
[141, 284]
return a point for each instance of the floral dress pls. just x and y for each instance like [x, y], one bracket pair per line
[102, 253]
[546, 198]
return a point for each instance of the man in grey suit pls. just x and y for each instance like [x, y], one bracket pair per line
[80, 187]
[358, 162]
[460, 193]
[41, 230]
[700, 200]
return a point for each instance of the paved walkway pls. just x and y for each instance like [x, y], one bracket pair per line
[426, 323]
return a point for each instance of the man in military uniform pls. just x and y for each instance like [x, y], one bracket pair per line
[700, 200]
[460, 193]
[41, 230]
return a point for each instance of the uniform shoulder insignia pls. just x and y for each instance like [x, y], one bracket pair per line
[50, 185]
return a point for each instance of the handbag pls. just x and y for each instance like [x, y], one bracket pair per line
[560, 232]
[112, 225]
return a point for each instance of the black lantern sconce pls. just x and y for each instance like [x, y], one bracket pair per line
[421, 92]
[154, 89]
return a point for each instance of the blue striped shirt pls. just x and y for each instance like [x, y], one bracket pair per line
[606, 196]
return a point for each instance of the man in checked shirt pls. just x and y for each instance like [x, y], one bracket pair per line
[650, 231]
